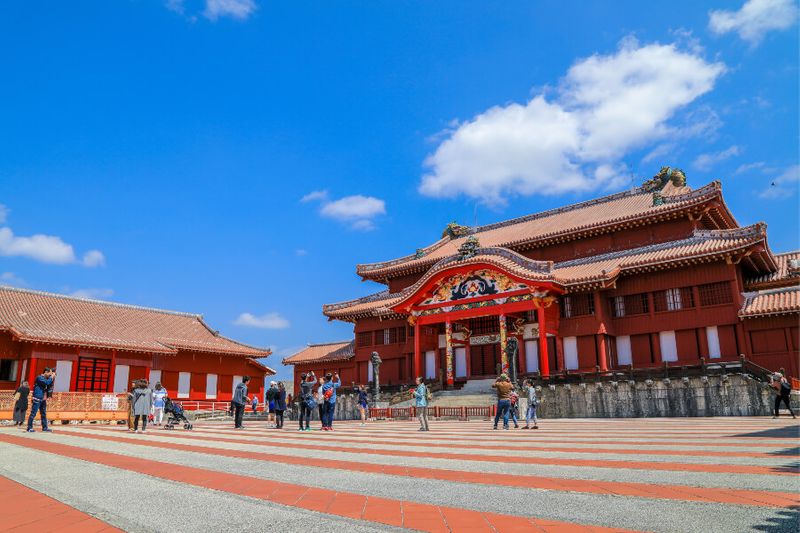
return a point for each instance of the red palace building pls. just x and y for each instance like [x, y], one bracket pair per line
[658, 274]
[98, 346]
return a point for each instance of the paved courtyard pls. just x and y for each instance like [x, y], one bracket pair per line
[682, 475]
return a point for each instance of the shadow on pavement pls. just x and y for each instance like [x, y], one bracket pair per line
[785, 520]
[785, 432]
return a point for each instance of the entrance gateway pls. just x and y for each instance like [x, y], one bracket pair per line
[481, 298]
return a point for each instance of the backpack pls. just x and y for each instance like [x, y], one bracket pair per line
[786, 387]
[328, 394]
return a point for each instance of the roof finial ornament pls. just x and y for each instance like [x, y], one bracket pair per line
[455, 230]
[469, 248]
[657, 182]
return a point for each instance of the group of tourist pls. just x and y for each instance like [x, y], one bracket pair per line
[323, 399]
[508, 403]
[42, 391]
[274, 403]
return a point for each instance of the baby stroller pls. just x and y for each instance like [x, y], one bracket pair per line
[175, 415]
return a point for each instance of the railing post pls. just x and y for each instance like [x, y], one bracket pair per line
[463, 413]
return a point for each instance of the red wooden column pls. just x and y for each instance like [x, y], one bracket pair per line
[503, 343]
[418, 369]
[112, 373]
[31, 371]
[448, 337]
[544, 361]
[602, 357]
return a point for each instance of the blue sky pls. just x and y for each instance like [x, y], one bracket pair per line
[237, 158]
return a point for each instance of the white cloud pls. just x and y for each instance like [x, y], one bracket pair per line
[604, 108]
[358, 211]
[784, 185]
[95, 294]
[238, 9]
[755, 19]
[9, 278]
[300, 252]
[315, 195]
[760, 166]
[706, 162]
[3, 213]
[267, 321]
[93, 258]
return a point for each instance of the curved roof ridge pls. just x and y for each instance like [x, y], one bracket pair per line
[755, 230]
[101, 302]
[382, 295]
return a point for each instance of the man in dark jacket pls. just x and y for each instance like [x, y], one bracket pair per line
[42, 390]
[307, 382]
[239, 402]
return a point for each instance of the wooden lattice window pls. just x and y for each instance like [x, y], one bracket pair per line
[401, 334]
[673, 299]
[633, 304]
[485, 325]
[390, 336]
[93, 375]
[715, 293]
[364, 338]
[577, 305]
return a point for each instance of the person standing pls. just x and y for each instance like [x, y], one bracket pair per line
[269, 402]
[142, 403]
[21, 403]
[280, 405]
[329, 393]
[306, 402]
[363, 405]
[239, 401]
[513, 409]
[784, 389]
[421, 400]
[533, 402]
[159, 393]
[321, 401]
[254, 404]
[503, 388]
[42, 390]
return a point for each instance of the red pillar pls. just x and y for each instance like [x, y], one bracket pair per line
[448, 335]
[417, 351]
[110, 387]
[544, 361]
[31, 371]
[602, 358]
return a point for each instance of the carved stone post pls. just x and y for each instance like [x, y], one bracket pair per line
[376, 365]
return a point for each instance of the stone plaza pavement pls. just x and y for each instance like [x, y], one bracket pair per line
[682, 475]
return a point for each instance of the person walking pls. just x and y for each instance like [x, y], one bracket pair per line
[321, 402]
[142, 403]
[269, 402]
[306, 403]
[421, 400]
[533, 402]
[254, 404]
[159, 393]
[239, 401]
[503, 387]
[363, 406]
[21, 403]
[280, 405]
[329, 393]
[42, 390]
[513, 409]
[784, 389]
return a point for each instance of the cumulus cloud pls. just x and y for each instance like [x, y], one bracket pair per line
[238, 9]
[267, 321]
[605, 107]
[93, 258]
[755, 19]
[94, 294]
[46, 249]
[9, 278]
[707, 161]
[358, 211]
[783, 186]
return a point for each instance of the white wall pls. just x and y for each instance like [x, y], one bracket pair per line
[430, 364]
[211, 386]
[23, 376]
[712, 335]
[121, 378]
[461, 362]
[155, 377]
[571, 353]
[532, 356]
[184, 382]
[669, 348]
[624, 353]
[63, 376]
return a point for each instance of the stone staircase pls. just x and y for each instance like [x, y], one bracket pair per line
[474, 393]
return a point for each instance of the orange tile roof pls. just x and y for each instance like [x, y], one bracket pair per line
[604, 213]
[788, 273]
[315, 353]
[37, 316]
[781, 301]
[577, 274]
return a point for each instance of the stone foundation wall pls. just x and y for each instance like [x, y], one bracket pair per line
[732, 395]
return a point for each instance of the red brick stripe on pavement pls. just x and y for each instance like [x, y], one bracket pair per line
[645, 490]
[23, 509]
[599, 463]
[380, 510]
